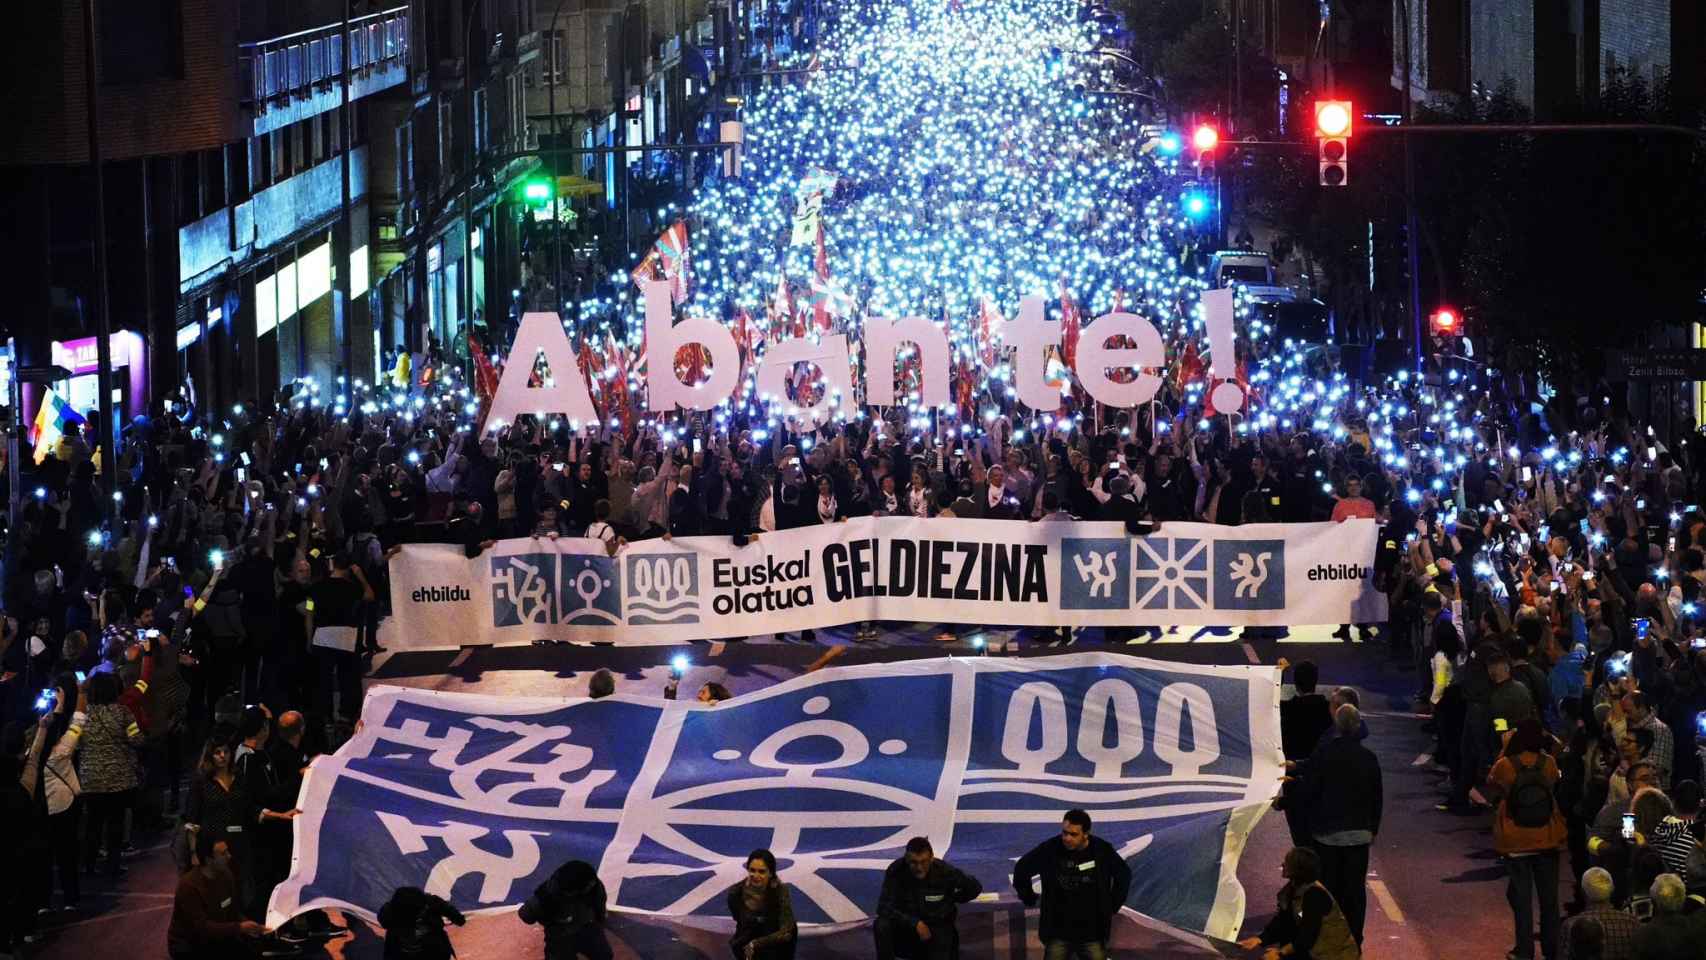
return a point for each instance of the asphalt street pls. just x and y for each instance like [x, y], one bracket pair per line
[1436, 888]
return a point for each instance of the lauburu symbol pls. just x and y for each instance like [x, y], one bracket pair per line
[1250, 574]
[1098, 570]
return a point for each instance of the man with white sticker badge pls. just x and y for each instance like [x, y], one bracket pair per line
[207, 915]
[1085, 882]
[919, 904]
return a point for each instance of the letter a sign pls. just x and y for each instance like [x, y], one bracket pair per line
[565, 394]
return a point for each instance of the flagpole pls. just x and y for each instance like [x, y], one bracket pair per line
[103, 320]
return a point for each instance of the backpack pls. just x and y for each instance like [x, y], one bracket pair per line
[1529, 801]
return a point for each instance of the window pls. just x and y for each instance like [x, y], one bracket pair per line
[189, 187]
[141, 40]
[558, 58]
[446, 135]
[260, 162]
[237, 168]
[405, 162]
[482, 134]
[298, 155]
[280, 156]
[213, 178]
[317, 138]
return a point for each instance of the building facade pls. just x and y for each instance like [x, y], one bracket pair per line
[1554, 54]
[226, 147]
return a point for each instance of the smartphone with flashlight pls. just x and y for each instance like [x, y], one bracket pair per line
[1628, 826]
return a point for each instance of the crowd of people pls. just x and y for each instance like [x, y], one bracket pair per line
[173, 657]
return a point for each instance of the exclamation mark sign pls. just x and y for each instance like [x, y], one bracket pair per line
[1226, 396]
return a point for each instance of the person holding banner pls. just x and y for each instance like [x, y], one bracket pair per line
[571, 907]
[919, 904]
[1085, 882]
[763, 911]
[1308, 924]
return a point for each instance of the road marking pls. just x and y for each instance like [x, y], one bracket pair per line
[1388, 905]
[1250, 654]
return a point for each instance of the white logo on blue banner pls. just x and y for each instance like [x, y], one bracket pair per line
[478, 799]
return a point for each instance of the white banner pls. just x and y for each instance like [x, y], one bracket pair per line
[989, 572]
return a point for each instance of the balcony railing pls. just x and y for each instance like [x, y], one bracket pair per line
[300, 63]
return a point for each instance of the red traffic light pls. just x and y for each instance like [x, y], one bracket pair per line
[1445, 322]
[1205, 138]
[1333, 118]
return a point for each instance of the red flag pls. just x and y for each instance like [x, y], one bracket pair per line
[485, 377]
[1069, 328]
[821, 307]
[1190, 366]
[990, 322]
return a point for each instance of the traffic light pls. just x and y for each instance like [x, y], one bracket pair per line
[1196, 202]
[1205, 139]
[1445, 322]
[537, 191]
[1333, 135]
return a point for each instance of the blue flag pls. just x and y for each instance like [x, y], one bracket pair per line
[478, 799]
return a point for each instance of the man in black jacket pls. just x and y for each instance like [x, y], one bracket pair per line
[1085, 882]
[571, 908]
[1303, 719]
[1340, 788]
[919, 903]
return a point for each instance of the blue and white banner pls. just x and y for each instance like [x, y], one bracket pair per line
[992, 572]
[478, 799]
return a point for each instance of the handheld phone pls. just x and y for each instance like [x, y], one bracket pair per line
[1582, 525]
[1642, 625]
[44, 702]
[698, 447]
[1499, 505]
[244, 457]
[1652, 453]
[1628, 826]
[1641, 504]
[1700, 724]
[1527, 474]
[82, 677]
[242, 475]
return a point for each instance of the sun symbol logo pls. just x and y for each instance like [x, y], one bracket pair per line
[1172, 573]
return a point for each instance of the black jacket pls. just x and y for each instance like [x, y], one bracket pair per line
[1340, 788]
[935, 899]
[1066, 877]
[1303, 719]
[572, 899]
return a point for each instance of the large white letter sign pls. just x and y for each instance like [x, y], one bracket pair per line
[564, 394]
[830, 356]
[1095, 357]
[664, 390]
[1031, 335]
[882, 342]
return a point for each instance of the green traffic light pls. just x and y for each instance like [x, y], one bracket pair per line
[537, 191]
